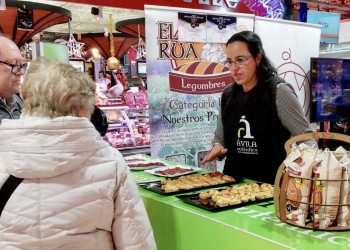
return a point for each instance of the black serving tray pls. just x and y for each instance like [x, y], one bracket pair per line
[194, 200]
[155, 186]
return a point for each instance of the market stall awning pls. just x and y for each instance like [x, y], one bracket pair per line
[122, 43]
[135, 27]
[44, 16]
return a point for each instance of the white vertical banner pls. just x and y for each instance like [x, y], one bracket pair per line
[290, 45]
[185, 78]
[344, 28]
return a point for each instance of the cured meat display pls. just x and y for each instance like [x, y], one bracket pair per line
[173, 171]
[145, 164]
[140, 162]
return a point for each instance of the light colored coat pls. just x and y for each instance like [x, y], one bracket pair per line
[77, 193]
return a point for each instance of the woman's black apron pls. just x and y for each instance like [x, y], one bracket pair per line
[254, 135]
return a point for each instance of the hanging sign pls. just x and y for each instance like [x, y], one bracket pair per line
[25, 19]
[220, 28]
[330, 24]
[192, 27]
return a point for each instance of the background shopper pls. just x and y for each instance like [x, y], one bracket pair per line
[77, 191]
[100, 121]
[12, 68]
[259, 112]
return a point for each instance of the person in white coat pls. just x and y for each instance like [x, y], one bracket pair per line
[77, 191]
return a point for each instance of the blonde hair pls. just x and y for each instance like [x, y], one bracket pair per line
[56, 89]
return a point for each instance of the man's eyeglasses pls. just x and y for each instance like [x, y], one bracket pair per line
[239, 61]
[15, 68]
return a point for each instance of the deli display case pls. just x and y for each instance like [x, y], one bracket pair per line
[128, 129]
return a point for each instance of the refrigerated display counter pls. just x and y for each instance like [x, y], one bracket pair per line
[128, 129]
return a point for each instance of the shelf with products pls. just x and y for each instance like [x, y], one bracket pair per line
[128, 128]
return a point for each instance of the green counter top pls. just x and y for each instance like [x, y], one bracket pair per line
[181, 226]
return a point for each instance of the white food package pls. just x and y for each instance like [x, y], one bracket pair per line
[343, 217]
[326, 195]
[299, 168]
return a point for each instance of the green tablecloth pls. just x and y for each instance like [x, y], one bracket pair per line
[181, 226]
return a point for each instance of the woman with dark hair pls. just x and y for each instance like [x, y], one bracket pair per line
[259, 112]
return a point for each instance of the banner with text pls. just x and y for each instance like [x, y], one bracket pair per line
[185, 78]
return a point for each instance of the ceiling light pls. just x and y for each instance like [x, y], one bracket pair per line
[95, 53]
[2, 5]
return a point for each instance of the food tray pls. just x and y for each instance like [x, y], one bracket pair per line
[138, 159]
[145, 164]
[155, 186]
[135, 158]
[145, 167]
[191, 170]
[194, 200]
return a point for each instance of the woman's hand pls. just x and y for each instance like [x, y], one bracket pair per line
[216, 151]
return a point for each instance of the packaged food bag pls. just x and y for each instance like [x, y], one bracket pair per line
[326, 190]
[343, 217]
[340, 152]
[299, 168]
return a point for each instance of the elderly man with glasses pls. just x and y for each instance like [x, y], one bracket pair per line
[12, 67]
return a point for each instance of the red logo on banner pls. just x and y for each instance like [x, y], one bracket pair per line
[199, 77]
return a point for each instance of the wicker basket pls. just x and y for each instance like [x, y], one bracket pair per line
[282, 179]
